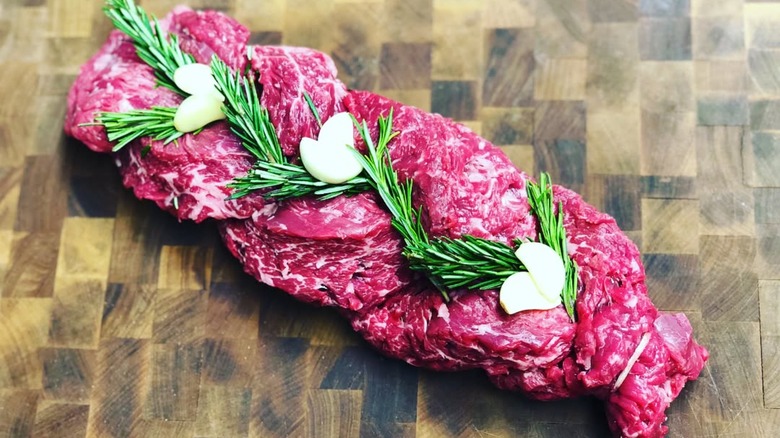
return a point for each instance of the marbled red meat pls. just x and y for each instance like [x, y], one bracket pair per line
[344, 252]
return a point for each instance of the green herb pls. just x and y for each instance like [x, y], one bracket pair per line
[247, 118]
[312, 108]
[552, 234]
[288, 181]
[271, 171]
[162, 54]
[468, 262]
[124, 128]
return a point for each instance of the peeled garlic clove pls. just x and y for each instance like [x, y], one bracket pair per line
[545, 268]
[196, 79]
[197, 111]
[519, 293]
[332, 163]
[337, 129]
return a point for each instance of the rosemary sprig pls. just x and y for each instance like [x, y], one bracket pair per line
[271, 171]
[288, 181]
[313, 108]
[124, 128]
[552, 233]
[469, 262]
[163, 54]
[246, 117]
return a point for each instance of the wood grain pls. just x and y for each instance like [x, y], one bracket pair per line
[118, 321]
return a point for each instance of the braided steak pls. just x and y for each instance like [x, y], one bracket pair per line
[344, 252]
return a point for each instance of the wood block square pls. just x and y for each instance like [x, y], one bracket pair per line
[560, 79]
[672, 280]
[669, 8]
[333, 412]
[613, 66]
[355, 44]
[770, 365]
[620, 198]
[454, 99]
[24, 327]
[128, 311]
[232, 313]
[10, 184]
[179, 316]
[665, 39]
[503, 14]
[122, 380]
[768, 254]
[769, 296]
[268, 18]
[228, 362]
[297, 16]
[566, 27]
[601, 11]
[278, 404]
[67, 374]
[17, 136]
[763, 65]
[728, 285]
[24, 26]
[564, 160]
[613, 139]
[723, 76]
[509, 50]
[223, 411]
[17, 418]
[417, 98]
[722, 110]
[668, 144]
[718, 38]
[727, 213]
[670, 226]
[667, 86]
[731, 390]
[765, 115]
[408, 21]
[719, 156]
[508, 126]
[669, 187]
[707, 8]
[405, 66]
[76, 313]
[85, 248]
[522, 157]
[184, 267]
[173, 393]
[761, 22]
[61, 419]
[554, 120]
[44, 204]
[454, 26]
[767, 205]
[33, 260]
[764, 160]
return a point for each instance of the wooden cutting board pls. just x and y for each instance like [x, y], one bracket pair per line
[116, 320]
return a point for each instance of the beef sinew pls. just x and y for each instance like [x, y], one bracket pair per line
[344, 252]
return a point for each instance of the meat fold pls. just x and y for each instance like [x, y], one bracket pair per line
[344, 252]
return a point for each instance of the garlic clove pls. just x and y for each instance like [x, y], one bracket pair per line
[196, 79]
[519, 293]
[545, 268]
[332, 163]
[338, 129]
[196, 111]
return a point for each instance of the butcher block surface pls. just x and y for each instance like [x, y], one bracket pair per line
[118, 321]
